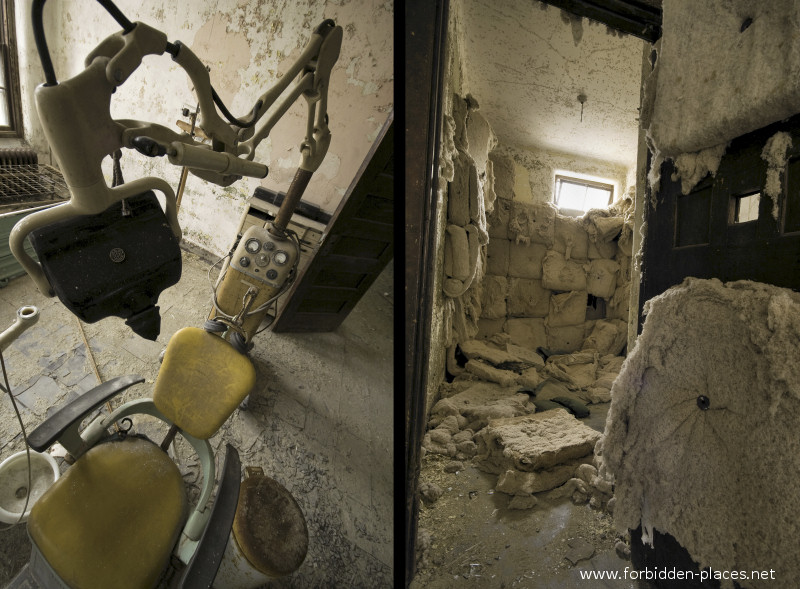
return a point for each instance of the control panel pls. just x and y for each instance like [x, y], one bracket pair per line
[265, 257]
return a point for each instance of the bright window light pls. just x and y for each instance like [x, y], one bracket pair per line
[577, 196]
[746, 208]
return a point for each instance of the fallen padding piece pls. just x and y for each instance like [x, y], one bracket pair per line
[575, 407]
[533, 442]
[546, 405]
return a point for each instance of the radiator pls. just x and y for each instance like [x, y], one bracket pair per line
[18, 156]
[25, 186]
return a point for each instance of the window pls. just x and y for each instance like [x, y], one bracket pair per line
[575, 196]
[10, 111]
[745, 208]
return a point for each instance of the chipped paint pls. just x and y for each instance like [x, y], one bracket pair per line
[527, 66]
[249, 45]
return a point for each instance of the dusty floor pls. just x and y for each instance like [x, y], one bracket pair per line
[320, 420]
[475, 540]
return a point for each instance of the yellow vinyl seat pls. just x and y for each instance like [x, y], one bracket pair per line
[112, 519]
[202, 380]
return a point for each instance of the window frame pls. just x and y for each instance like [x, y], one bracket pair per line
[559, 178]
[10, 62]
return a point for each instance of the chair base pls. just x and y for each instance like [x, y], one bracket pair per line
[37, 574]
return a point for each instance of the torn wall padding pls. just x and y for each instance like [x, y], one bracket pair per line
[601, 225]
[489, 195]
[498, 257]
[448, 152]
[461, 316]
[456, 253]
[570, 238]
[558, 273]
[718, 78]
[607, 337]
[504, 174]
[527, 298]
[497, 221]
[461, 188]
[693, 167]
[601, 280]
[619, 304]
[489, 327]
[494, 297]
[528, 332]
[722, 480]
[454, 286]
[568, 308]
[602, 249]
[774, 153]
[532, 223]
[525, 260]
[565, 340]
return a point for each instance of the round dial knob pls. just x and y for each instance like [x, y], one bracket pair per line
[262, 260]
[252, 246]
[280, 257]
[269, 246]
[244, 261]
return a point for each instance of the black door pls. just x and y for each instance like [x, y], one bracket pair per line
[714, 232]
[357, 246]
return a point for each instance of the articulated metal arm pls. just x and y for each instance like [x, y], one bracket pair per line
[75, 116]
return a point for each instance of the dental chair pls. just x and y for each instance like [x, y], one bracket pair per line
[119, 517]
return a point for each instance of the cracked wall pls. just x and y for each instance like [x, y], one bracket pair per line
[535, 169]
[526, 58]
[248, 45]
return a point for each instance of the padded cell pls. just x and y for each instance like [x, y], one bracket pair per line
[202, 381]
[113, 518]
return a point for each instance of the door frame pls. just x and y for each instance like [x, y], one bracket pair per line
[424, 63]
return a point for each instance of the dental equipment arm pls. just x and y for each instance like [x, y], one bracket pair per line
[75, 116]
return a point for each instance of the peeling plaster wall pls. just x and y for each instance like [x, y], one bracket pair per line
[248, 46]
[527, 63]
[535, 173]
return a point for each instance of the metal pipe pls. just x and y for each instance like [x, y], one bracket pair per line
[293, 196]
[27, 316]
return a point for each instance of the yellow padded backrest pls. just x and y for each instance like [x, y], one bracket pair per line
[113, 518]
[202, 380]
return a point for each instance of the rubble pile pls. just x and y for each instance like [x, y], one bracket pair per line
[514, 413]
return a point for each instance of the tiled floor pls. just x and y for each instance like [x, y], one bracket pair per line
[320, 420]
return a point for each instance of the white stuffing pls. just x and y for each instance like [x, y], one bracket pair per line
[693, 167]
[721, 480]
[774, 153]
[719, 79]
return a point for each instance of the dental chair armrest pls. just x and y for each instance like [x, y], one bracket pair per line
[71, 414]
[203, 566]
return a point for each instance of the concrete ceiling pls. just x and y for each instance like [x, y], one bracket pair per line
[526, 64]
